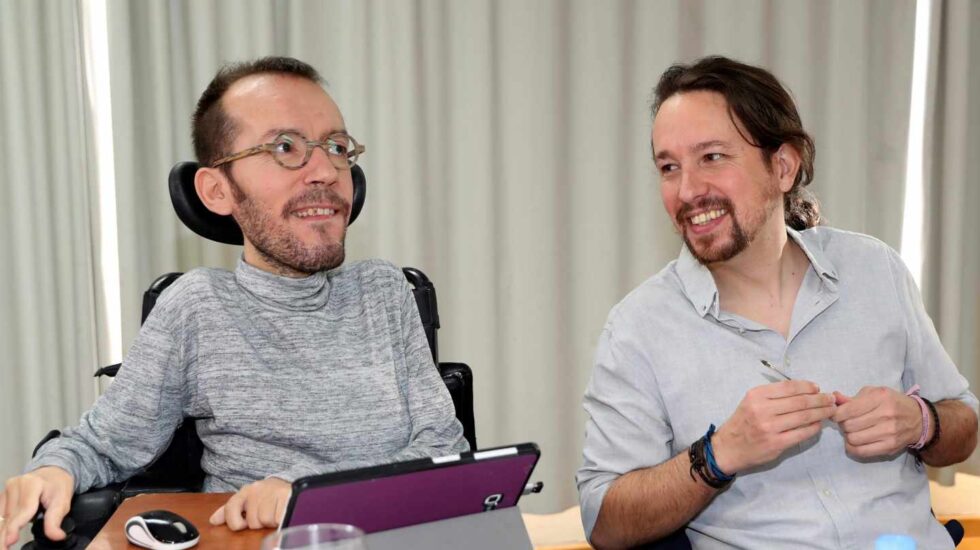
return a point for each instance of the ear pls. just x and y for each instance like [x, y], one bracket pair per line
[214, 190]
[786, 164]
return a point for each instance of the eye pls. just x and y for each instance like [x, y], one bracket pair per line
[337, 147]
[667, 168]
[714, 156]
[338, 144]
[284, 144]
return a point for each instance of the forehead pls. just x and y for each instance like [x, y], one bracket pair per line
[264, 102]
[689, 118]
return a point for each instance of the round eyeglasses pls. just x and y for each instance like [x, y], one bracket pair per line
[293, 151]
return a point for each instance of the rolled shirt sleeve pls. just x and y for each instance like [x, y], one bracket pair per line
[926, 361]
[627, 427]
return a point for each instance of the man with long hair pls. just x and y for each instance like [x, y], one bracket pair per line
[808, 347]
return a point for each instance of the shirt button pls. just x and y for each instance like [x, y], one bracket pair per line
[826, 493]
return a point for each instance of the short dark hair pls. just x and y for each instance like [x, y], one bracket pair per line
[212, 129]
[766, 110]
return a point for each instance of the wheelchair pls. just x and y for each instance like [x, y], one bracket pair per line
[178, 468]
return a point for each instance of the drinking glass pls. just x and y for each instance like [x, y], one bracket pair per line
[317, 536]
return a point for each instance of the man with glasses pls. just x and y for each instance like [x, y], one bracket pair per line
[294, 364]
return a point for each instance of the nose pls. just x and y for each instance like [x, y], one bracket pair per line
[320, 169]
[693, 185]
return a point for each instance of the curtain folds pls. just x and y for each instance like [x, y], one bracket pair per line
[49, 312]
[951, 267]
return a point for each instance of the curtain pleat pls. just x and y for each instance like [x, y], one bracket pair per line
[951, 267]
[49, 317]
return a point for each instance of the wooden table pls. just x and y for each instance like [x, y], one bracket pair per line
[197, 508]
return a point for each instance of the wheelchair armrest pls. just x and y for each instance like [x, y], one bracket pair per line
[458, 378]
[53, 434]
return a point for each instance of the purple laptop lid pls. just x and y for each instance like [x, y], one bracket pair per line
[418, 491]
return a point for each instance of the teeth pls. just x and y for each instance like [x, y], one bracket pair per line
[706, 217]
[316, 212]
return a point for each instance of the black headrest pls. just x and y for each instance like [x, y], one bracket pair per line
[223, 229]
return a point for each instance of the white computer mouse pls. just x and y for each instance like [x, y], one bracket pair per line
[161, 530]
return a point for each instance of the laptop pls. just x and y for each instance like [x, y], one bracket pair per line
[420, 492]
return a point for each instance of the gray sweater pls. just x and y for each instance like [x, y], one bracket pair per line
[288, 377]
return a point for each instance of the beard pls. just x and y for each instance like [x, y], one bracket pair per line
[277, 244]
[708, 249]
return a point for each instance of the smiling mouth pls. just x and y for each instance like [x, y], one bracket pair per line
[309, 212]
[705, 217]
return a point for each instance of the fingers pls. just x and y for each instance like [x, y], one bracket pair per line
[234, 517]
[266, 513]
[870, 450]
[8, 534]
[873, 434]
[857, 407]
[218, 517]
[799, 419]
[252, 511]
[280, 509]
[800, 434]
[22, 496]
[858, 424]
[787, 388]
[841, 398]
[9, 509]
[878, 421]
[54, 513]
[866, 400]
[802, 402]
[256, 506]
[26, 501]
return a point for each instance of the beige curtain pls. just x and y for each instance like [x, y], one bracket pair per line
[48, 280]
[951, 273]
[508, 156]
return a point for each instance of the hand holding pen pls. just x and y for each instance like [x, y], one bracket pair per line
[769, 420]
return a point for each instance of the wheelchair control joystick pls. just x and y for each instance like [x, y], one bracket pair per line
[42, 542]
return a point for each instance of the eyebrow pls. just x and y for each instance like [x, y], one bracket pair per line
[276, 131]
[697, 148]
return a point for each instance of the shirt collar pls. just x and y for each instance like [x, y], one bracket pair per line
[811, 246]
[700, 288]
[295, 294]
[697, 282]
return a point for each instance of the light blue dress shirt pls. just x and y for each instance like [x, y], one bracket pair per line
[670, 362]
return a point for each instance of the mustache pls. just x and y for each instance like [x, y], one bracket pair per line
[707, 203]
[317, 195]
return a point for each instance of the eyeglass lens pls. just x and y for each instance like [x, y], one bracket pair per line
[294, 151]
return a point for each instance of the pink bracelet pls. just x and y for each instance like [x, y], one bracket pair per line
[914, 394]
